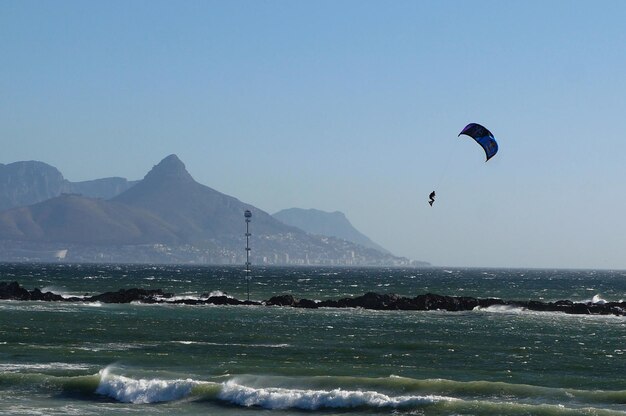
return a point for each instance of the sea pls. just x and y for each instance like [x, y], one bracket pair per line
[59, 358]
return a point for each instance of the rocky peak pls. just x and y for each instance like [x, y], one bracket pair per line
[169, 168]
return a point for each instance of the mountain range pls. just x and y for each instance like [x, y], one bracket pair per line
[28, 182]
[333, 224]
[167, 217]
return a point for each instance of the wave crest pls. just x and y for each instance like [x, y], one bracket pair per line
[129, 390]
[281, 398]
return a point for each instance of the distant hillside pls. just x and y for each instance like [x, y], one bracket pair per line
[169, 192]
[104, 188]
[168, 217]
[25, 183]
[29, 182]
[75, 219]
[332, 224]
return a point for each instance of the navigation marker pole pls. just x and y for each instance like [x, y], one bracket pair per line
[247, 214]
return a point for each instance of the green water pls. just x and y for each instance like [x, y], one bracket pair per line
[66, 358]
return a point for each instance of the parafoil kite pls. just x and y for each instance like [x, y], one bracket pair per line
[483, 137]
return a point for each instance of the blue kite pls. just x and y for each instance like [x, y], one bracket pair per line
[483, 137]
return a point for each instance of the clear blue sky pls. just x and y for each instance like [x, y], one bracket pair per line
[345, 105]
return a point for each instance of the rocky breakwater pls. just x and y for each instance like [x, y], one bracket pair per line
[370, 300]
[13, 291]
[430, 302]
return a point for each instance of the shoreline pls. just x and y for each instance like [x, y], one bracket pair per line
[370, 300]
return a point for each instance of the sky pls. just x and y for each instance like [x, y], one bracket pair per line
[351, 106]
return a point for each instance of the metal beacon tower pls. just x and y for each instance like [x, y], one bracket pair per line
[247, 214]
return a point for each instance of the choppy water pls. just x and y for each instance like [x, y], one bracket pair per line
[101, 359]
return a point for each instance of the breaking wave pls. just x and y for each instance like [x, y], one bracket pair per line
[283, 398]
[129, 390]
[319, 393]
[349, 394]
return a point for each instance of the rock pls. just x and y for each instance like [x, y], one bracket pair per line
[36, 294]
[306, 303]
[251, 303]
[369, 300]
[13, 291]
[328, 303]
[431, 301]
[130, 295]
[487, 302]
[373, 300]
[282, 300]
[223, 300]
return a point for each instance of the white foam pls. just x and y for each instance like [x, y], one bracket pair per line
[282, 398]
[12, 367]
[120, 346]
[219, 293]
[501, 309]
[597, 300]
[230, 344]
[517, 310]
[129, 390]
[93, 304]
[36, 306]
[62, 292]
[177, 298]
[192, 297]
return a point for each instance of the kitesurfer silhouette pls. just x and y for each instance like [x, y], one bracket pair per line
[432, 198]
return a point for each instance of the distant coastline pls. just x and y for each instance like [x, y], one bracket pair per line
[167, 217]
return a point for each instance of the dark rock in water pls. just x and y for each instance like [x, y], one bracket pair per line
[534, 305]
[488, 302]
[306, 303]
[131, 295]
[36, 294]
[394, 302]
[223, 300]
[449, 303]
[468, 303]
[369, 300]
[282, 300]
[251, 303]
[328, 303]
[13, 291]
[431, 301]
[373, 300]
[213, 300]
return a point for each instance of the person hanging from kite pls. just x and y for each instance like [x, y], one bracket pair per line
[484, 138]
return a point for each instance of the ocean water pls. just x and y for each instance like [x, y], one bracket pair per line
[135, 359]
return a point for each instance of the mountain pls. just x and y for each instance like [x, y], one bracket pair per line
[332, 224]
[75, 219]
[168, 217]
[104, 188]
[169, 192]
[29, 182]
[25, 183]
